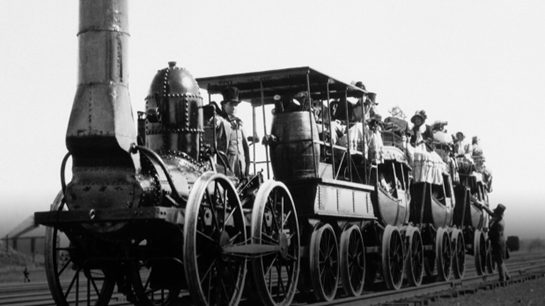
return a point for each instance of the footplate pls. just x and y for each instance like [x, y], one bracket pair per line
[55, 218]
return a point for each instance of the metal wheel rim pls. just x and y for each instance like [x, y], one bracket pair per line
[479, 252]
[98, 283]
[444, 255]
[415, 259]
[214, 278]
[353, 265]
[459, 255]
[324, 264]
[266, 228]
[392, 257]
[490, 264]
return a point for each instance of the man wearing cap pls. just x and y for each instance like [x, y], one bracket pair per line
[230, 135]
[497, 239]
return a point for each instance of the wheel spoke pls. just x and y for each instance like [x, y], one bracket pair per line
[207, 238]
[271, 265]
[207, 272]
[76, 275]
[285, 220]
[274, 217]
[92, 280]
[230, 215]
[270, 238]
[64, 266]
[212, 209]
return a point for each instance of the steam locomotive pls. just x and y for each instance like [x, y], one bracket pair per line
[156, 213]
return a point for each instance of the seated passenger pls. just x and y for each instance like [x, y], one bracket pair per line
[396, 122]
[354, 134]
[375, 140]
[477, 152]
[322, 117]
[460, 147]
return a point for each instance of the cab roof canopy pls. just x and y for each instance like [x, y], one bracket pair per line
[287, 81]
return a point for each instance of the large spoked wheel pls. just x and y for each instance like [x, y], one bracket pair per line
[479, 252]
[352, 260]
[148, 293]
[73, 283]
[443, 254]
[274, 223]
[392, 257]
[214, 222]
[324, 263]
[415, 257]
[490, 264]
[459, 255]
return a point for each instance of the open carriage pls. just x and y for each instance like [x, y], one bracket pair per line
[432, 209]
[472, 215]
[350, 223]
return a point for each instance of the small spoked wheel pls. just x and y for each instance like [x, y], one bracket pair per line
[415, 257]
[324, 263]
[443, 254]
[392, 257]
[214, 222]
[459, 254]
[73, 282]
[274, 224]
[479, 252]
[490, 263]
[352, 261]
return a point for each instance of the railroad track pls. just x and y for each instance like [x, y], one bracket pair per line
[523, 266]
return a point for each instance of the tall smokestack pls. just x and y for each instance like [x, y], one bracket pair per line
[102, 107]
[101, 128]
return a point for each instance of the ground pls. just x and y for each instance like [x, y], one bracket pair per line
[13, 263]
[531, 292]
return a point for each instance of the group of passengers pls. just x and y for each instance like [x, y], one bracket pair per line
[418, 140]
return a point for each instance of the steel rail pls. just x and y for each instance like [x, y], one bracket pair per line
[522, 267]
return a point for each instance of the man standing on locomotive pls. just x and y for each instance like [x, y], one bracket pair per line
[497, 239]
[230, 135]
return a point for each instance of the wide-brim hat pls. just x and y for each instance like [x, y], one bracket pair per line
[499, 209]
[421, 114]
[371, 98]
[230, 94]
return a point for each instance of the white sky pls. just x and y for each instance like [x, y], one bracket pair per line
[477, 64]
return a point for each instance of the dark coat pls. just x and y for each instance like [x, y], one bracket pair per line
[497, 238]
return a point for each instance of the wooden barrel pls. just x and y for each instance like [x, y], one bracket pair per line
[295, 155]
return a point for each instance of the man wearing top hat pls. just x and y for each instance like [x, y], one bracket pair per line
[497, 239]
[230, 135]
